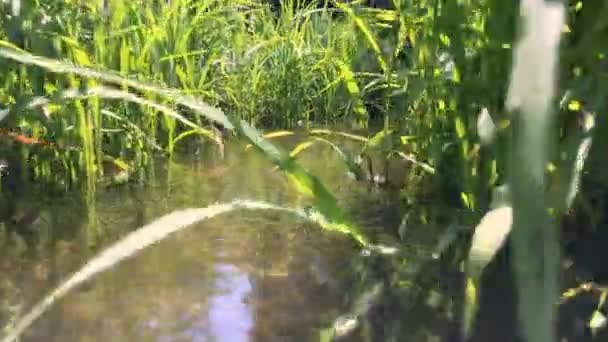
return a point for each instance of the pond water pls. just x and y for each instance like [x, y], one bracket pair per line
[244, 276]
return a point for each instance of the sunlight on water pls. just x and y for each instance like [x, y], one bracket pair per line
[231, 319]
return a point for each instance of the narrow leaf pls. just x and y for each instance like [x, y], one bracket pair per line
[323, 199]
[9, 51]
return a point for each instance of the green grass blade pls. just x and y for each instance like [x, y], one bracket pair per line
[348, 161]
[412, 159]
[108, 93]
[301, 147]
[376, 142]
[350, 136]
[8, 51]
[322, 198]
[354, 91]
[367, 33]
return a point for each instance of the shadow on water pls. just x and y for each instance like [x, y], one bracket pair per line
[239, 277]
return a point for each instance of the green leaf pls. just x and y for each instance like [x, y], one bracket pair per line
[578, 163]
[574, 105]
[301, 147]
[109, 93]
[278, 134]
[119, 163]
[379, 138]
[305, 183]
[441, 105]
[350, 136]
[9, 51]
[377, 141]
[405, 139]
[471, 304]
[354, 91]
[460, 128]
[367, 33]
[349, 162]
[597, 321]
[125, 57]
[272, 135]
[326, 335]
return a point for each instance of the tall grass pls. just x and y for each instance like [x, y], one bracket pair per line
[234, 54]
[125, 79]
[349, 65]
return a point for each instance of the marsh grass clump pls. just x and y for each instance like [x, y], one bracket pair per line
[297, 64]
[269, 68]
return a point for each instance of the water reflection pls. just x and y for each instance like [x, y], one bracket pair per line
[226, 317]
[231, 319]
[243, 277]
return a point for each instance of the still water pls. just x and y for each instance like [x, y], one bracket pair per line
[249, 276]
[243, 276]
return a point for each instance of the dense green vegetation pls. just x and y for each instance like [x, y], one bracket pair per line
[305, 65]
[95, 91]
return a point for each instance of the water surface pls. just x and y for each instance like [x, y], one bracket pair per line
[245, 276]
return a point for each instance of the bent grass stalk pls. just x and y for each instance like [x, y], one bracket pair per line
[109, 93]
[148, 235]
[9, 51]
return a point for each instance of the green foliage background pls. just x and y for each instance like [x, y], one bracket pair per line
[423, 69]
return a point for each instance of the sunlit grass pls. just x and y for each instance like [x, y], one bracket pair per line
[173, 61]
[237, 55]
